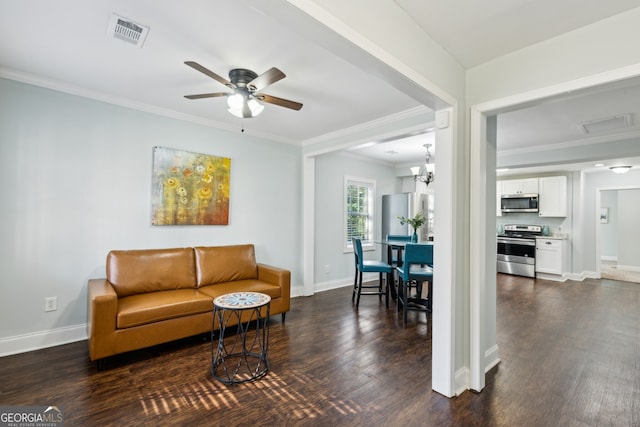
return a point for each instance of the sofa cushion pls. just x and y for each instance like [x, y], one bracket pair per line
[149, 270]
[219, 264]
[136, 310]
[248, 285]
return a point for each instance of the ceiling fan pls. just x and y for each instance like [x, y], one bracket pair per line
[246, 85]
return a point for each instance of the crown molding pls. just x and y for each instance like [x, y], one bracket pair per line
[370, 125]
[129, 103]
[570, 144]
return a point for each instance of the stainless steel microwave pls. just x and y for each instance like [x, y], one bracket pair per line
[519, 203]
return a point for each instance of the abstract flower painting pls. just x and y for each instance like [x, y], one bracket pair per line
[189, 188]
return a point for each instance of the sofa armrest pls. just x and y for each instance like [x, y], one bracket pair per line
[276, 276]
[101, 323]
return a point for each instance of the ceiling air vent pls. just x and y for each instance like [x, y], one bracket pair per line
[610, 123]
[126, 30]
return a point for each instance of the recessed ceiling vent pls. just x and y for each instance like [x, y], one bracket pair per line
[603, 125]
[126, 30]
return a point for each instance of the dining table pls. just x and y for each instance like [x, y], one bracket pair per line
[398, 246]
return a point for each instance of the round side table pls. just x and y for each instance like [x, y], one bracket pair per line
[242, 357]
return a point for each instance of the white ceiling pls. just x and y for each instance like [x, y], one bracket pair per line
[64, 45]
[559, 120]
[66, 41]
[477, 31]
[557, 124]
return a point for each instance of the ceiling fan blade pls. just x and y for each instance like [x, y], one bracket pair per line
[207, 95]
[279, 101]
[265, 79]
[209, 73]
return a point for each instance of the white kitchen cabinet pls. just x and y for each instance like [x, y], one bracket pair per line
[553, 196]
[551, 256]
[520, 186]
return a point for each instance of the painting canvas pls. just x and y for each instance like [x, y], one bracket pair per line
[190, 188]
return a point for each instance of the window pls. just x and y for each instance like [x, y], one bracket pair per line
[359, 195]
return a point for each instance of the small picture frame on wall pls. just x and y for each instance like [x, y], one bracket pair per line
[604, 215]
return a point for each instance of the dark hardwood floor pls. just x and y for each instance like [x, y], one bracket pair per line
[570, 357]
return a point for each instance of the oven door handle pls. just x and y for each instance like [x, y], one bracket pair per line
[516, 241]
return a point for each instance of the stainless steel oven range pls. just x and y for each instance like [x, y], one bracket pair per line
[517, 249]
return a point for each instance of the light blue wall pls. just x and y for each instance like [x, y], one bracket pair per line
[329, 246]
[76, 177]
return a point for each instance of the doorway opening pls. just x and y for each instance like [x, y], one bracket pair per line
[618, 234]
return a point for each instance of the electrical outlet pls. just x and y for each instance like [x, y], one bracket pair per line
[326, 269]
[50, 303]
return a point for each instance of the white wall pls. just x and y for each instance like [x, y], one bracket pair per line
[609, 231]
[629, 229]
[330, 171]
[76, 177]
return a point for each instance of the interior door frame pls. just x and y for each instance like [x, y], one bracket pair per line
[598, 237]
[483, 353]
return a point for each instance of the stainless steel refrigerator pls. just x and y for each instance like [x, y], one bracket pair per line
[406, 205]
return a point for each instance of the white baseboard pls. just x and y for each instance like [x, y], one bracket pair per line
[628, 267]
[591, 274]
[552, 277]
[491, 358]
[43, 339]
[579, 277]
[334, 284]
[609, 258]
[461, 381]
[341, 283]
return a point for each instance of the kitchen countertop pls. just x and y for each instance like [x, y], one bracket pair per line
[555, 236]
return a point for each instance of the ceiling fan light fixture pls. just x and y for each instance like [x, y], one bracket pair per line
[255, 107]
[235, 102]
[236, 112]
[243, 102]
[620, 169]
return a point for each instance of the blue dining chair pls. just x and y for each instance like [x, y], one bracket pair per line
[417, 266]
[367, 266]
[394, 253]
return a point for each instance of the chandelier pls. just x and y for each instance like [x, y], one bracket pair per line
[424, 173]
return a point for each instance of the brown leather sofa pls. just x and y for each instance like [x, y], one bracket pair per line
[155, 296]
